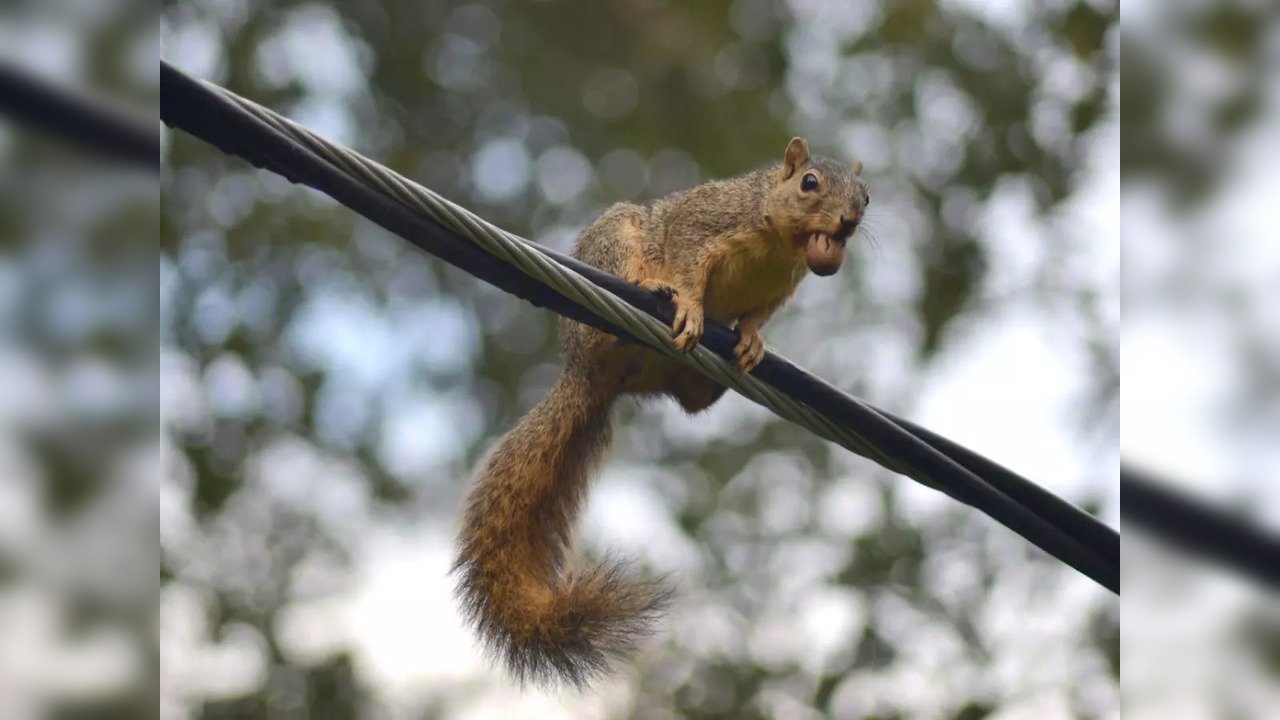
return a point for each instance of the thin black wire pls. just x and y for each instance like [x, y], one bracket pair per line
[89, 123]
[1080, 524]
[1045, 520]
[1193, 527]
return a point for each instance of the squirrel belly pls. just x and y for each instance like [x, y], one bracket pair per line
[544, 621]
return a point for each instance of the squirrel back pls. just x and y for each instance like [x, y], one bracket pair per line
[733, 250]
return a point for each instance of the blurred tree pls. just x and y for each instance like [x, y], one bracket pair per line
[1200, 84]
[1201, 279]
[78, 391]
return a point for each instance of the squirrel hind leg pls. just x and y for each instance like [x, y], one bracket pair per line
[694, 391]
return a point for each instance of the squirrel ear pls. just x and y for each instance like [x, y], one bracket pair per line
[797, 155]
[857, 167]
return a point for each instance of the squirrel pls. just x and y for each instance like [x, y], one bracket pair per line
[730, 250]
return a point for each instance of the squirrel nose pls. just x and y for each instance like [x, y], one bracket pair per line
[847, 226]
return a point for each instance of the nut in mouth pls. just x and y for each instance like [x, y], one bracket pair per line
[824, 253]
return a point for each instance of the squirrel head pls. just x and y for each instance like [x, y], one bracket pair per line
[816, 203]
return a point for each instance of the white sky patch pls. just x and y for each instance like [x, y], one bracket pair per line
[410, 638]
[1176, 362]
[625, 513]
[404, 619]
[1008, 392]
[1003, 396]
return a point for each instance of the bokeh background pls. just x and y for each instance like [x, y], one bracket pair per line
[1199, 343]
[79, 386]
[325, 389]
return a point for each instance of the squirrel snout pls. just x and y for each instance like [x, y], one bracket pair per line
[847, 228]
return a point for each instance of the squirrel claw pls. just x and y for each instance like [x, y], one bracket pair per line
[659, 288]
[750, 350]
[686, 340]
[687, 327]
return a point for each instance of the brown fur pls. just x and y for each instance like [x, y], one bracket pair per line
[732, 250]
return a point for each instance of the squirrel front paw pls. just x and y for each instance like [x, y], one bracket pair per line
[687, 326]
[659, 288]
[750, 348]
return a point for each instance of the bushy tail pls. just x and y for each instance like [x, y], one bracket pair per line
[544, 621]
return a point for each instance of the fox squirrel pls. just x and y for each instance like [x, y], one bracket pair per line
[732, 250]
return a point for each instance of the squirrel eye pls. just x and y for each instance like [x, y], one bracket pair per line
[867, 201]
[809, 183]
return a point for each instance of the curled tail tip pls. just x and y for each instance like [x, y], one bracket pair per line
[595, 618]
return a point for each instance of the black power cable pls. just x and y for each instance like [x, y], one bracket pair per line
[1045, 520]
[1195, 528]
[90, 123]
